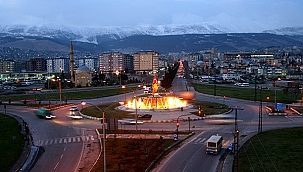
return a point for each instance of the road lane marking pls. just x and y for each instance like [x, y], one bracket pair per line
[56, 165]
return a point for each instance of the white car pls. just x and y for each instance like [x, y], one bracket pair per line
[74, 108]
[74, 116]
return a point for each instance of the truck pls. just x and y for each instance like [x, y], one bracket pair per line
[44, 113]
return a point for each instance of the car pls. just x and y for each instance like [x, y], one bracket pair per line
[44, 113]
[74, 116]
[74, 108]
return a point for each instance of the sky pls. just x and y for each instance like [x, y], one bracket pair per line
[235, 15]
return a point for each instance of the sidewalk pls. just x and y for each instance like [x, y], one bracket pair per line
[91, 152]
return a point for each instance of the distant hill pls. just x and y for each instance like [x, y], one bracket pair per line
[163, 39]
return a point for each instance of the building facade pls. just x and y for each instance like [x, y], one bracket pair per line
[90, 62]
[146, 61]
[36, 65]
[58, 65]
[7, 66]
[83, 76]
[111, 62]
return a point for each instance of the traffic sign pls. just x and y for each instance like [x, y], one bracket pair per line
[175, 137]
[230, 146]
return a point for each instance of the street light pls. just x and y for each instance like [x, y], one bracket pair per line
[60, 90]
[123, 87]
[103, 130]
[136, 110]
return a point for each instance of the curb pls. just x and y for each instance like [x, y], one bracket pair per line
[145, 121]
[277, 114]
[229, 160]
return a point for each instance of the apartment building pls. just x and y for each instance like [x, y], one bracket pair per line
[146, 61]
[90, 62]
[58, 65]
[7, 66]
[111, 62]
[193, 59]
[36, 65]
[128, 63]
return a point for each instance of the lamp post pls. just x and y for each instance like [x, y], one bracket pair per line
[136, 110]
[60, 90]
[103, 130]
[123, 87]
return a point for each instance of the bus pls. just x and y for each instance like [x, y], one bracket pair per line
[214, 144]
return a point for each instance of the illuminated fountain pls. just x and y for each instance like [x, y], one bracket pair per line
[155, 102]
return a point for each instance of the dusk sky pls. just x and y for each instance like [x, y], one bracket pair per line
[236, 15]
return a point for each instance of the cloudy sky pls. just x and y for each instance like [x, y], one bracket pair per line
[236, 15]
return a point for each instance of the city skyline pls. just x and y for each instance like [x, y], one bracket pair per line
[234, 15]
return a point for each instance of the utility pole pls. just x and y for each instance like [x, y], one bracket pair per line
[255, 87]
[136, 109]
[260, 113]
[236, 139]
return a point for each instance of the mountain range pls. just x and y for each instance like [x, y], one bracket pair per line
[162, 38]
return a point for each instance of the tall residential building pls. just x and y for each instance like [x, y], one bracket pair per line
[128, 63]
[90, 62]
[111, 62]
[58, 65]
[36, 65]
[7, 66]
[193, 59]
[146, 61]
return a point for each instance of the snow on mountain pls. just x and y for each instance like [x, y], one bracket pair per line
[292, 31]
[89, 34]
[92, 34]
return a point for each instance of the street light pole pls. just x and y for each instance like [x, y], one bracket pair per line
[275, 94]
[136, 110]
[104, 134]
[104, 137]
[60, 91]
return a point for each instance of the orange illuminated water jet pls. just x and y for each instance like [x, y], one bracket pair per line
[156, 103]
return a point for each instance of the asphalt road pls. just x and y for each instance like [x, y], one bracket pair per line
[69, 135]
[60, 156]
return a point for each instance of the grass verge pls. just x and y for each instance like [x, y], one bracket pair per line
[11, 142]
[133, 155]
[208, 108]
[276, 150]
[247, 93]
[90, 94]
